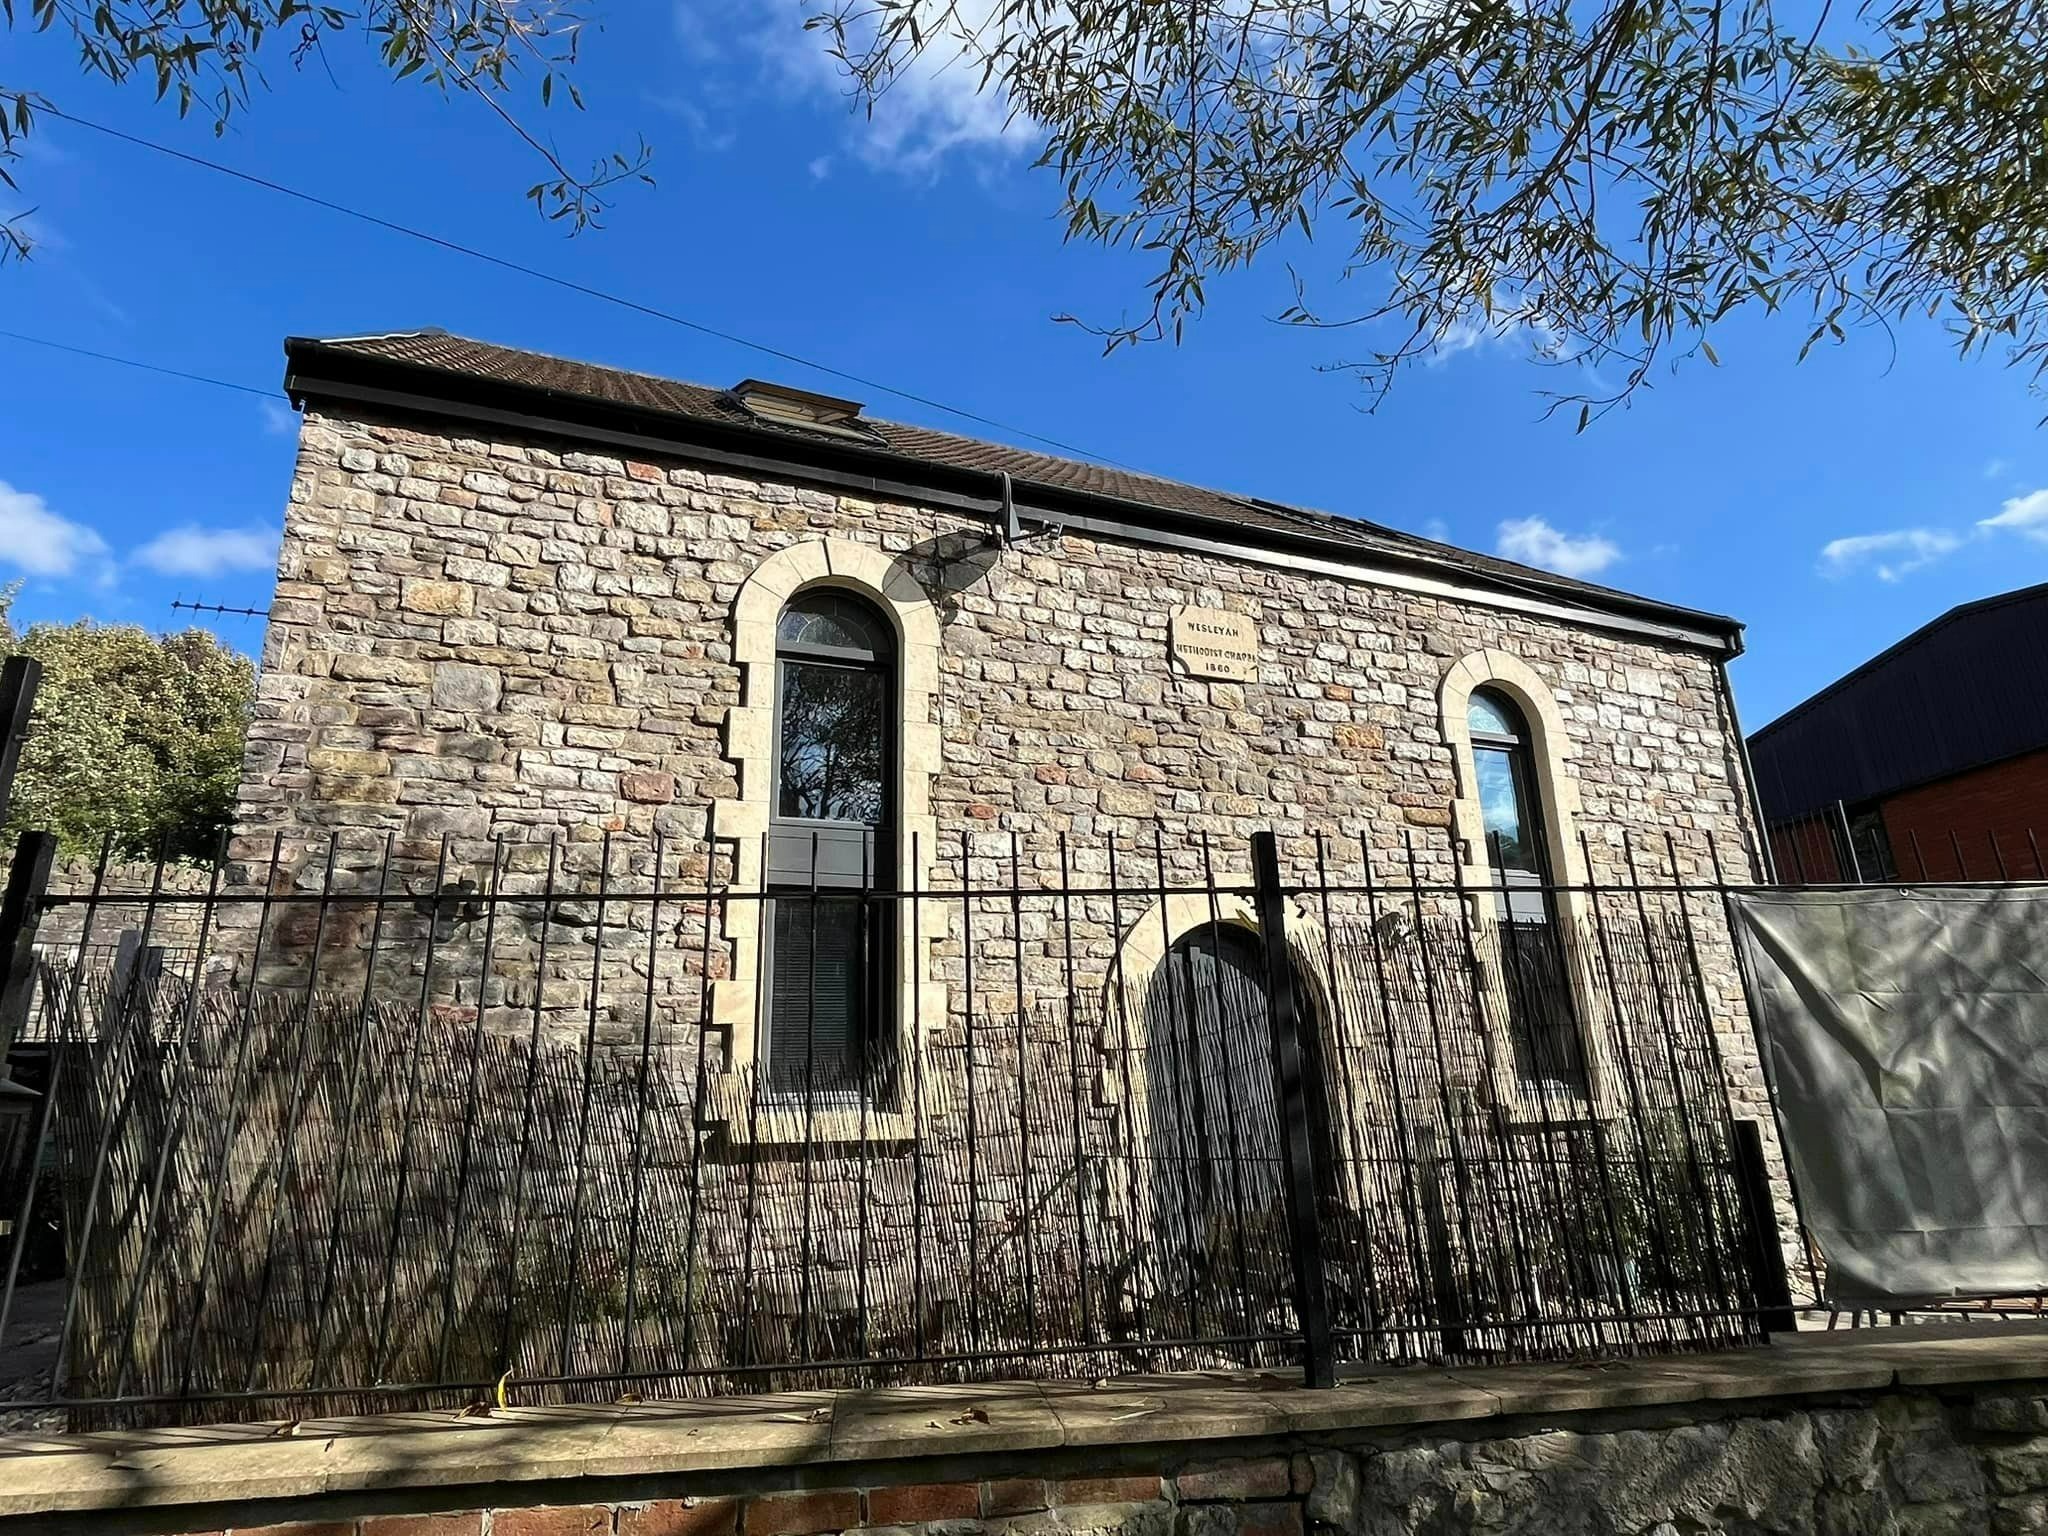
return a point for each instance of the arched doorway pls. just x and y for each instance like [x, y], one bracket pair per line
[1210, 1140]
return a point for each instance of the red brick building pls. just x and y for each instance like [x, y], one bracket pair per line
[1928, 762]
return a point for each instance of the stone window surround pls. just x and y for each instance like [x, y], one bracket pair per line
[1169, 919]
[750, 747]
[1557, 789]
[1549, 747]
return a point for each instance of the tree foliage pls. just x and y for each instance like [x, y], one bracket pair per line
[135, 736]
[207, 57]
[1608, 179]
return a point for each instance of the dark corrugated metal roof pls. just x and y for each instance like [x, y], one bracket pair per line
[453, 359]
[1967, 689]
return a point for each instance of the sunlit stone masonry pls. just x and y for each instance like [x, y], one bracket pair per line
[539, 622]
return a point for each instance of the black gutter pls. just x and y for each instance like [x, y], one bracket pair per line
[317, 369]
[1766, 861]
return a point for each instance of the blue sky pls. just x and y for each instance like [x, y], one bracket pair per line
[1832, 505]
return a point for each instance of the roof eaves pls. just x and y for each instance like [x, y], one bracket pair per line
[1313, 531]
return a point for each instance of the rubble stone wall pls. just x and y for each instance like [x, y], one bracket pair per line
[487, 656]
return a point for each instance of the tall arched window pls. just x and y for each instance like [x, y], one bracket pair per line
[1534, 959]
[835, 742]
[1510, 806]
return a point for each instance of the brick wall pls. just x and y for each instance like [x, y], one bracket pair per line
[1262, 1496]
[1961, 828]
[1807, 851]
[1981, 825]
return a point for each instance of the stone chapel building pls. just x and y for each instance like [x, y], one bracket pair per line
[522, 598]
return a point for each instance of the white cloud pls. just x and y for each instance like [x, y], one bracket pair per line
[195, 551]
[1436, 528]
[1510, 318]
[2026, 514]
[934, 109]
[279, 419]
[39, 147]
[1890, 555]
[1995, 468]
[36, 540]
[820, 168]
[1534, 542]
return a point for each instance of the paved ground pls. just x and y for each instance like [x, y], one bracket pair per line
[29, 1353]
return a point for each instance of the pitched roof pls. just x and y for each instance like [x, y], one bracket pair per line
[1964, 689]
[440, 363]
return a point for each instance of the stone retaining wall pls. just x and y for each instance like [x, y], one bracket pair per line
[1788, 1442]
[172, 924]
[1905, 1464]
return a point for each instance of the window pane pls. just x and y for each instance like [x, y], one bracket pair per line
[1544, 1016]
[817, 1024]
[835, 742]
[1509, 832]
[1491, 715]
[836, 620]
[1873, 846]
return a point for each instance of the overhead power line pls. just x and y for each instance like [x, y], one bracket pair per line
[130, 362]
[570, 284]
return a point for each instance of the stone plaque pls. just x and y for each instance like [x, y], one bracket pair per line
[1207, 642]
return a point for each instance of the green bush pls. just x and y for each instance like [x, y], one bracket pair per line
[135, 735]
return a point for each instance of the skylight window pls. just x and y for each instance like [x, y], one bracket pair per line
[782, 406]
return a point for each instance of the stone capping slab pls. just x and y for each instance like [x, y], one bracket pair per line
[46, 1473]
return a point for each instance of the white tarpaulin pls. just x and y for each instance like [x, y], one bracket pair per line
[1906, 1033]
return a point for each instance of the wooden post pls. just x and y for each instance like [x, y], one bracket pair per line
[1311, 1281]
[20, 911]
[1769, 1284]
[19, 676]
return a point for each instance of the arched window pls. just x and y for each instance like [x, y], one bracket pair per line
[1534, 960]
[835, 744]
[1516, 815]
[1510, 806]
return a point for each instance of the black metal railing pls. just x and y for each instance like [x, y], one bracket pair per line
[410, 1127]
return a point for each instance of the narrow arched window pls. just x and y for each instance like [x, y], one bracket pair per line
[1533, 955]
[1510, 807]
[835, 744]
